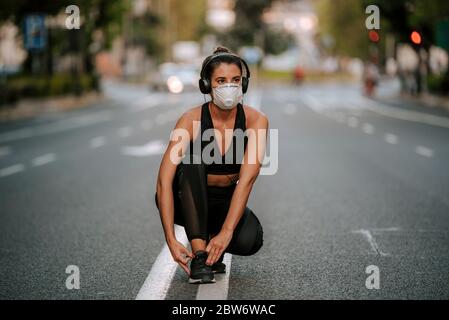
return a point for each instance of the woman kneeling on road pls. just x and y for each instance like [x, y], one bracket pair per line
[207, 193]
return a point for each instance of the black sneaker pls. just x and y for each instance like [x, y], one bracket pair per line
[200, 272]
[219, 266]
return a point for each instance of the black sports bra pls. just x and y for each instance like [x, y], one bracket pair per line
[225, 166]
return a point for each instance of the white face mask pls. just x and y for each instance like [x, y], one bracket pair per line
[227, 96]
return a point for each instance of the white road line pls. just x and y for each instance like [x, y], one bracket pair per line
[11, 170]
[392, 229]
[97, 142]
[311, 102]
[407, 115]
[158, 282]
[423, 151]
[369, 237]
[219, 289]
[5, 151]
[152, 148]
[56, 127]
[144, 104]
[124, 132]
[44, 159]
[353, 122]
[368, 128]
[391, 138]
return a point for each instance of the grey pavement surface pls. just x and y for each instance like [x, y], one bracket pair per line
[354, 188]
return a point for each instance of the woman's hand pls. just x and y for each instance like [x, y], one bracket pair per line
[180, 254]
[217, 245]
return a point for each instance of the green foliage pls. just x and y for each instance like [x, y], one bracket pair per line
[43, 86]
[395, 16]
[344, 20]
[186, 18]
[144, 33]
[277, 42]
[438, 83]
[249, 29]
[400, 17]
[17, 9]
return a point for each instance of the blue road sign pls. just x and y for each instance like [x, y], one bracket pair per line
[252, 55]
[35, 32]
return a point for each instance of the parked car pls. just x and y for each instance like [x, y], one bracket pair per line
[175, 77]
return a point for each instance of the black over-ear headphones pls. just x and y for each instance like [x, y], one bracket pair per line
[204, 83]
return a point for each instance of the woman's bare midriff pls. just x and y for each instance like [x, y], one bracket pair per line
[222, 180]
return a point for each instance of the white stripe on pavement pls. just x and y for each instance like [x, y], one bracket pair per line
[369, 237]
[97, 142]
[44, 159]
[391, 229]
[368, 128]
[55, 127]
[5, 151]
[152, 148]
[407, 115]
[219, 289]
[423, 151]
[11, 170]
[144, 104]
[391, 138]
[311, 102]
[158, 282]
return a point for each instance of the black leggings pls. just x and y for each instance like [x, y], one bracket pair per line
[202, 209]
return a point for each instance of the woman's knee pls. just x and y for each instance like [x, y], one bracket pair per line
[258, 241]
[248, 237]
[258, 237]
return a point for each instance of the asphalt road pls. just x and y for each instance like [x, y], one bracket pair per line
[358, 184]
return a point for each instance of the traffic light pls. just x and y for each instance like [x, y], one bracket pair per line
[374, 36]
[416, 38]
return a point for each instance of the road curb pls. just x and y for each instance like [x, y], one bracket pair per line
[29, 108]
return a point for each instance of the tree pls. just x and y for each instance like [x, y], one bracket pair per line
[250, 29]
[101, 15]
[401, 17]
[344, 21]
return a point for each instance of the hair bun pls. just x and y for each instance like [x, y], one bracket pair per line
[221, 49]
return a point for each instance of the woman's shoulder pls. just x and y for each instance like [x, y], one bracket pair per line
[190, 115]
[187, 119]
[193, 113]
[254, 117]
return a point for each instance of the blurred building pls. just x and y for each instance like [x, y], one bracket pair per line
[299, 19]
[220, 14]
[12, 53]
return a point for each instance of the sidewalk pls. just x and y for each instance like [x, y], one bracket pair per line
[430, 100]
[29, 108]
[389, 92]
